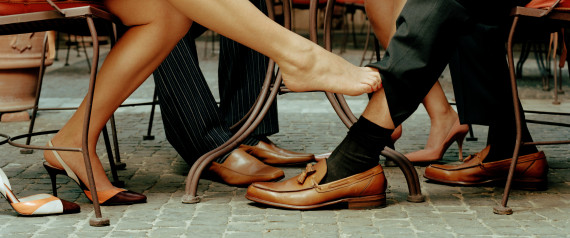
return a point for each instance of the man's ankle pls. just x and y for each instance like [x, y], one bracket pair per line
[359, 151]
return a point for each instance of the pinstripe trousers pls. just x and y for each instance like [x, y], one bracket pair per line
[193, 122]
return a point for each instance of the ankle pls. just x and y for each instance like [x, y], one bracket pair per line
[358, 152]
[62, 139]
[444, 117]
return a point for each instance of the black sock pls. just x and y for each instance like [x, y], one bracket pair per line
[358, 152]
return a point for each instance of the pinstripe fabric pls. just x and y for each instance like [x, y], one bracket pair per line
[193, 123]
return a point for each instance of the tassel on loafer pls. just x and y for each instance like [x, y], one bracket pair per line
[303, 192]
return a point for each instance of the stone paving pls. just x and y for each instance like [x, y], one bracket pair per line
[307, 124]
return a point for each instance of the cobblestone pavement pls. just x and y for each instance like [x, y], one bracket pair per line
[308, 124]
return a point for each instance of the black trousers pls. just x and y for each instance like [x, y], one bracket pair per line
[467, 35]
[193, 122]
[433, 34]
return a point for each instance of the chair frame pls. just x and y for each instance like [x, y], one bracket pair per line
[552, 15]
[56, 20]
[270, 89]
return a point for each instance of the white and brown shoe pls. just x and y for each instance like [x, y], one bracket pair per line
[35, 205]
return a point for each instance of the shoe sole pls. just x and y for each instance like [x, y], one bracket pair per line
[524, 184]
[376, 201]
[215, 178]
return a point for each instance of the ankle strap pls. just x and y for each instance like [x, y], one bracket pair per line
[68, 170]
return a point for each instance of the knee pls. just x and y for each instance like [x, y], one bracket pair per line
[173, 23]
[144, 12]
[156, 14]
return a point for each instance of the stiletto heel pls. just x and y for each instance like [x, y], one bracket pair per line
[460, 138]
[52, 175]
[457, 134]
[114, 196]
[35, 205]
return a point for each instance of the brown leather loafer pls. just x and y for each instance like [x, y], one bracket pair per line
[240, 168]
[363, 190]
[269, 153]
[530, 173]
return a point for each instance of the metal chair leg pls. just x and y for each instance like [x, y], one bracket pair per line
[116, 181]
[504, 209]
[119, 165]
[260, 109]
[471, 134]
[68, 43]
[37, 99]
[98, 220]
[148, 135]
[84, 52]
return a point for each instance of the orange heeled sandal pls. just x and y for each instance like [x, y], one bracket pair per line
[114, 196]
[457, 134]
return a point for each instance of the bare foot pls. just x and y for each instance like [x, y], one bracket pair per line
[75, 161]
[316, 69]
[440, 128]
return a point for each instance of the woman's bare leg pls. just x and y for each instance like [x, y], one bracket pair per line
[442, 116]
[304, 65]
[382, 16]
[156, 28]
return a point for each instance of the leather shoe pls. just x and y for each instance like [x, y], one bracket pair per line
[240, 168]
[530, 172]
[363, 190]
[269, 153]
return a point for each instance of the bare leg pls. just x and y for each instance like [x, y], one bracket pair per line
[304, 65]
[441, 114]
[157, 27]
[382, 16]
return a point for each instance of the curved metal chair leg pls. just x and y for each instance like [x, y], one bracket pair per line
[260, 109]
[412, 179]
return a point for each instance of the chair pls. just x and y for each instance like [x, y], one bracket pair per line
[271, 87]
[350, 7]
[77, 17]
[554, 14]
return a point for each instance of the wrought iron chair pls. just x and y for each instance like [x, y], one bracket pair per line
[77, 17]
[271, 87]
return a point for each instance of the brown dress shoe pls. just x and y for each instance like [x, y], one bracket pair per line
[269, 153]
[240, 168]
[363, 190]
[530, 173]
